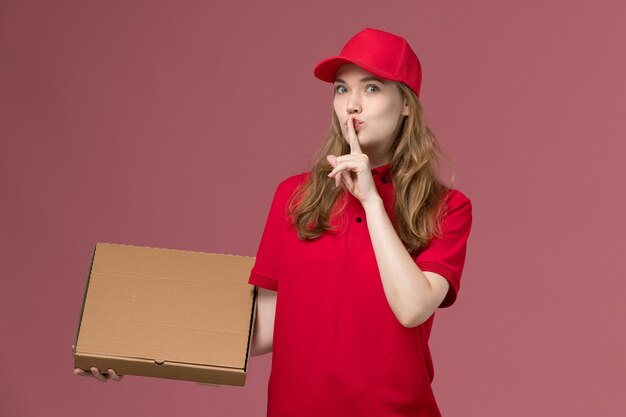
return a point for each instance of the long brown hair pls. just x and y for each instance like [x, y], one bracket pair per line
[419, 193]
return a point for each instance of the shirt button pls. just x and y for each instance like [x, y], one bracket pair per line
[384, 180]
[359, 220]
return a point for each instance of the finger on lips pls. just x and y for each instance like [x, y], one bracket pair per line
[354, 142]
[344, 177]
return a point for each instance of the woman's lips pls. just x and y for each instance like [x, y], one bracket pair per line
[357, 124]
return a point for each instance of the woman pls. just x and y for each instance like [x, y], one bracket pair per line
[358, 254]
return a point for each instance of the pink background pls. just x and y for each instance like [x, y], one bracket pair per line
[169, 124]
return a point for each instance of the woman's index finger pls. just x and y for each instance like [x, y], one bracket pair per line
[355, 147]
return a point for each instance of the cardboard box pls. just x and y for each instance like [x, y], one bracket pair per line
[167, 313]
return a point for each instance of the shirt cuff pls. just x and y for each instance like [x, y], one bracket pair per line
[447, 274]
[264, 282]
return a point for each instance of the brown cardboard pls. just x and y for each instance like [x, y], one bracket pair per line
[167, 313]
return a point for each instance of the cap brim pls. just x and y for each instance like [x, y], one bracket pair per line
[327, 68]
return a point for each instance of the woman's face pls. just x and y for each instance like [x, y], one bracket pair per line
[375, 102]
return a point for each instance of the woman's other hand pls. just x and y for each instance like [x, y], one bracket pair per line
[95, 373]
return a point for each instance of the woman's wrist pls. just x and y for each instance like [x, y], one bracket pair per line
[374, 203]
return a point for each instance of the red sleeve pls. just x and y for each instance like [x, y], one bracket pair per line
[445, 255]
[266, 271]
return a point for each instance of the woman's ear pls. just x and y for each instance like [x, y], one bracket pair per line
[405, 109]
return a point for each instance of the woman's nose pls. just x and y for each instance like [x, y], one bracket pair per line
[353, 105]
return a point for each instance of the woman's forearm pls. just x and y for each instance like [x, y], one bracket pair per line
[407, 289]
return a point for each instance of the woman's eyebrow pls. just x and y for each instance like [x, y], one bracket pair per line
[339, 80]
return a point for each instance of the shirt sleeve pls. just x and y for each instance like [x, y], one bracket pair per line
[445, 255]
[266, 271]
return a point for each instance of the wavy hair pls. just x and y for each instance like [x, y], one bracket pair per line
[419, 193]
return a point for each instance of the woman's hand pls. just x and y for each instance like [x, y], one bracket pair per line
[95, 373]
[353, 171]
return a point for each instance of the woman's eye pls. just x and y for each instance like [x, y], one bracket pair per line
[337, 89]
[372, 86]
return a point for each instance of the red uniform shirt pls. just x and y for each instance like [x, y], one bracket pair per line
[338, 348]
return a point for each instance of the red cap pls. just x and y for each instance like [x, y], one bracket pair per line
[381, 53]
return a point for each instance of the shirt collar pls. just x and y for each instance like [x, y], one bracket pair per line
[381, 172]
